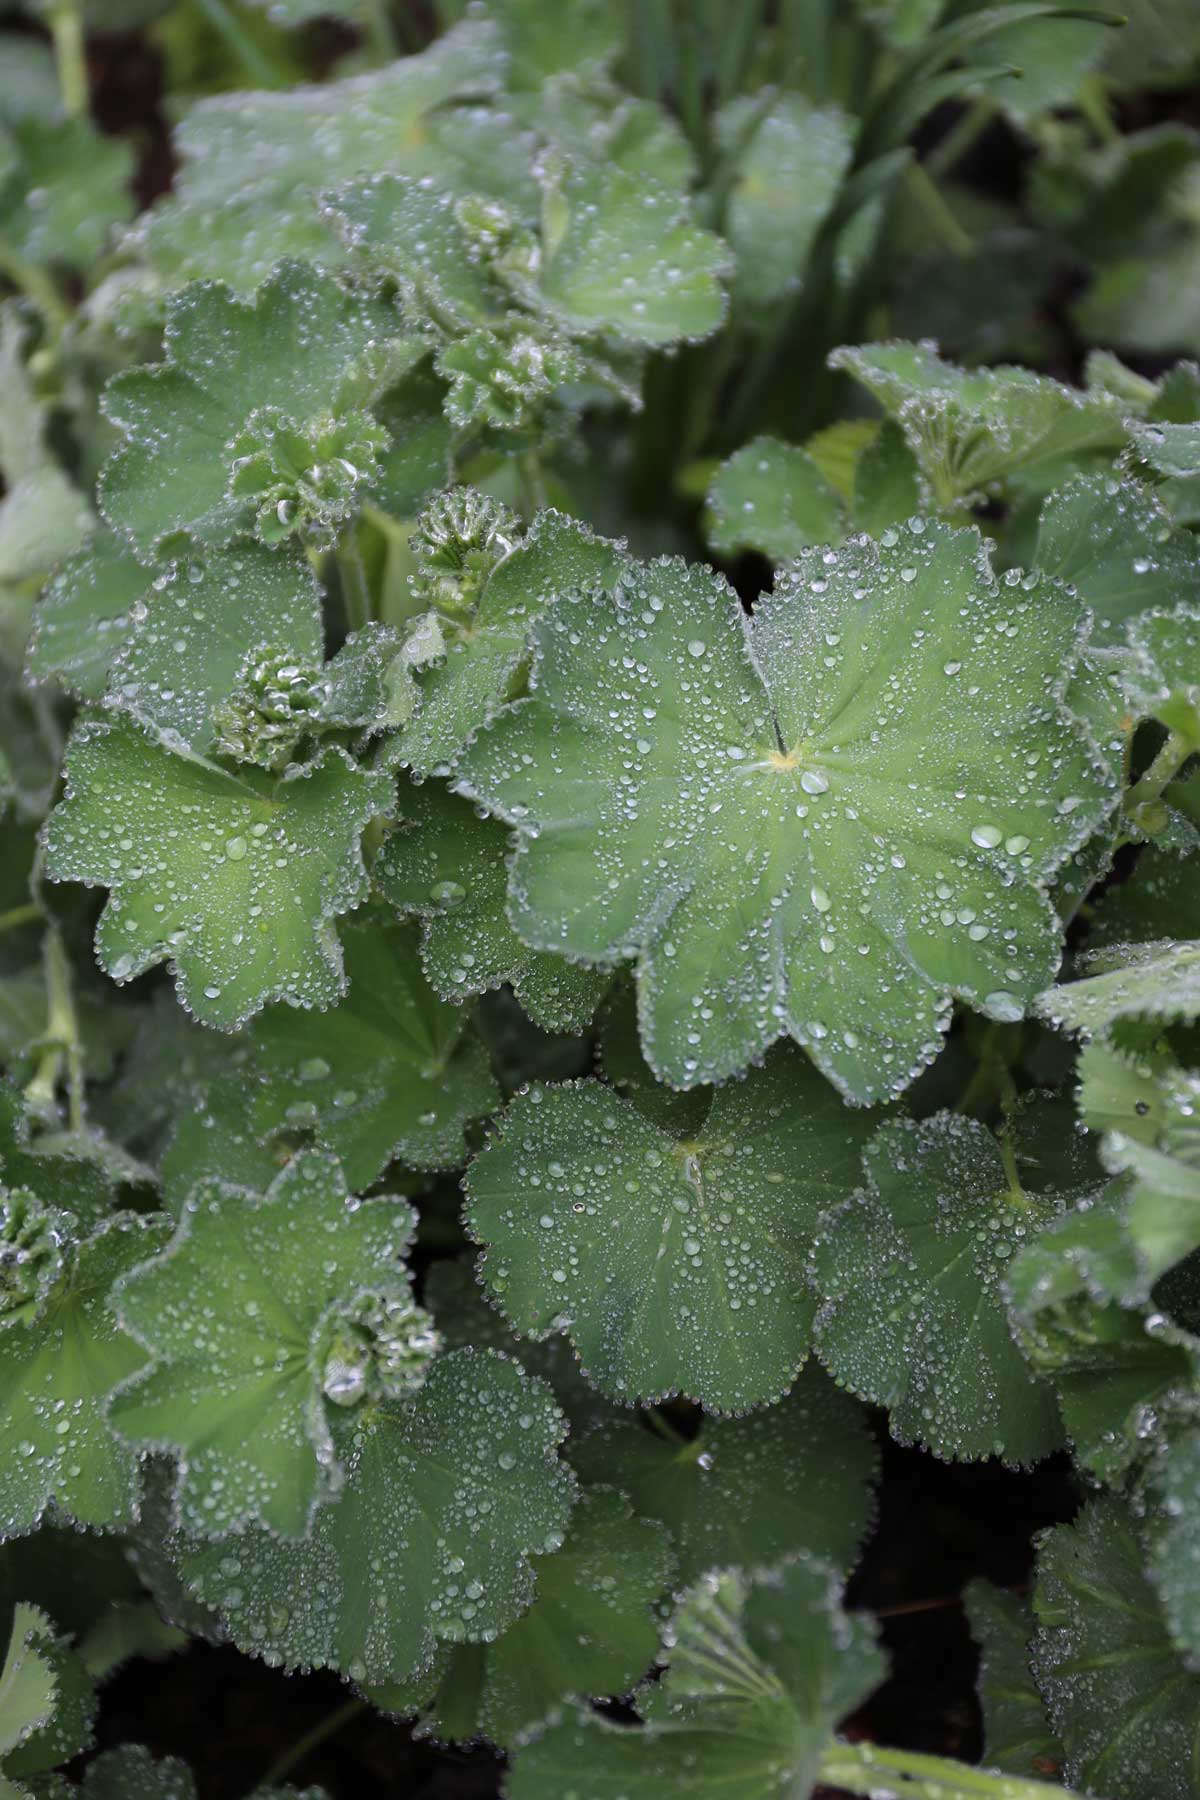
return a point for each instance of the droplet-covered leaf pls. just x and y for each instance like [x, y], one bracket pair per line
[1017, 1734]
[912, 1308]
[1113, 541]
[1125, 1708]
[449, 868]
[390, 1072]
[745, 1493]
[589, 1633]
[447, 1496]
[46, 1699]
[791, 160]
[773, 498]
[56, 1375]
[825, 822]
[1157, 980]
[83, 616]
[261, 1315]
[234, 879]
[760, 1671]
[293, 353]
[674, 1266]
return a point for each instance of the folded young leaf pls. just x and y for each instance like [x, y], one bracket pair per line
[1157, 980]
[761, 1669]
[390, 1072]
[972, 429]
[447, 1496]
[56, 1375]
[46, 1699]
[487, 626]
[1125, 1707]
[752, 1492]
[673, 1266]
[824, 822]
[235, 879]
[276, 376]
[449, 868]
[589, 1633]
[910, 1274]
[278, 1309]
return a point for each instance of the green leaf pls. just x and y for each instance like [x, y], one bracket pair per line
[1127, 1711]
[446, 1497]
[1166, 686]
[590, 1631]
[56, 1375]
[1114, 543]
[297, 352]
[1171, 449]
[235, 879]
[84, 616]
[186, 648]
[69, 190]
[449, 868]
[1017, 1736]
[253, 163]
[673, 1266]
[657, 773]
[1158, 980]
[761, 1670]
[390, 1073]
[773, 498]
[790, 164]
[620, 255]
[910, 1272]
[749, 1492]
[260, 1316]
[974, 429]
[46, 1699]
[487, 645]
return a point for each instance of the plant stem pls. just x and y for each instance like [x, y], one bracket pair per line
[356, 594]
[532, 482]
[1162, 771]
[20, 915]
[324, 1729]
[663, 1426]
[938, 214]
[380, 28]
[37, 286]
[66, 33]
[62, 1024]
[883, 1774]
[256, 62]
[961, 137]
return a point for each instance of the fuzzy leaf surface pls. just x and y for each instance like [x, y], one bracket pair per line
[772, 497]
[234, 879]
[408, 1555]
[767, 817]
[674, 1266]
[239, 1314]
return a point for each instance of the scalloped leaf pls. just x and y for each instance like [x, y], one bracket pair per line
[674, 1266]
[763, 816]
[261, 1315]
[972, 430]
[789, 165]
[772, 497]
[1017, 1734]
[1115, 543]
[56, 1375]
[1125, 1708]
[620, 255]
[753, 1491]
[1157, 980]
[910, 1271]
[235, 879]
[590, 1632]
[253, 163]
[761, 1670]
[186, 647]
[392, 1072]
[486, 647]
[47, 1703]
[447, 1496]
[84, 615]
[449, 868]
[304, 351]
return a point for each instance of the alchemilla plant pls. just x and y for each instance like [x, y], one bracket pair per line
[599, 908]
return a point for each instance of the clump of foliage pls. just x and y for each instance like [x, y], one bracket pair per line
[599, 734]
